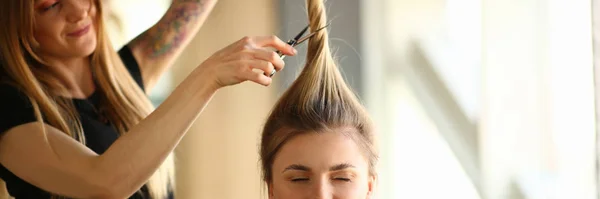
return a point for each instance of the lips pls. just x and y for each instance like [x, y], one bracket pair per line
[79, 32]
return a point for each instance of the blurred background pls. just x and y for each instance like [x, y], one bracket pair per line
[473, 99]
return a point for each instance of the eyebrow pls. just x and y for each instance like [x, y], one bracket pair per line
[298, 167]
[341, 167]
[336, 167]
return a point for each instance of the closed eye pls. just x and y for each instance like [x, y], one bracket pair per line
[343, 179]
[300, 179]
[51, 6]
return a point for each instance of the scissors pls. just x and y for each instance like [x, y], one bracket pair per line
[298, 40]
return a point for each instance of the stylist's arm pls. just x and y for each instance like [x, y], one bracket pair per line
[132, 159]
[53, 161]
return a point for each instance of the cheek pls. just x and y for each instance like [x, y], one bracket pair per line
[354, 190]
[288, 190]
[282, 188]
[45, 35]
[95, 18]
[47, 31]
[359, 189]
[94, 13]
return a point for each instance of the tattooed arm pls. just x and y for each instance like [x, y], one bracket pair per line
[158, 47]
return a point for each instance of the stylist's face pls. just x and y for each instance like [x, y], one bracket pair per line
[65, 28]
[320, 165]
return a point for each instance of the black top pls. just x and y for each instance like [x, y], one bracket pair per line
[16, 109]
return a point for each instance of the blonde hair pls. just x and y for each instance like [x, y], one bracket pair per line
[122, 100]
[318, 101]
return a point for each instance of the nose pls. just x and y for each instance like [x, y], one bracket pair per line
[77, 9]
[322, 190]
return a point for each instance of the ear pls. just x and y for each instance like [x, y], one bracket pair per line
[372, 185]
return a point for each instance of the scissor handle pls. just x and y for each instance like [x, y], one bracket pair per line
[291, 42]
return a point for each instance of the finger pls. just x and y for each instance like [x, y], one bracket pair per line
[270, 56]
[258, 78]
[265, 66]
[247, 54]
[275, 42]
[234, 47]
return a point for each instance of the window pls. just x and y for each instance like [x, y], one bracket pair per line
[422, 164]
[419, 157]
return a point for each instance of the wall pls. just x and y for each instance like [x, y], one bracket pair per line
[218, 158]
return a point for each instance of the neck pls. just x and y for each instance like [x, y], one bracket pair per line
[75, 75]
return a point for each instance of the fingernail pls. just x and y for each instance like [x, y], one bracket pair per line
[295, 51]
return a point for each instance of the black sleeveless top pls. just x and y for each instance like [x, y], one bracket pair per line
[15, 109]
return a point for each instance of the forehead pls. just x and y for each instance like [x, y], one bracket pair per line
[319, 151]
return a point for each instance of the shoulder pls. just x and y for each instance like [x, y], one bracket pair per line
[15, 107]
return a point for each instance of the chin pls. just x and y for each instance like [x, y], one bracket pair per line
[85, 49]
[83, 46]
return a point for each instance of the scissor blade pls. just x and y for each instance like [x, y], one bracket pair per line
[310, 35]
[301, 33]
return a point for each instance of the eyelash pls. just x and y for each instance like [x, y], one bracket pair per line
[299, 179]
[51, 6]
[306, 179]
[343, 179]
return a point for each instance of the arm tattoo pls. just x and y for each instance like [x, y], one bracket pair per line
[173, 29]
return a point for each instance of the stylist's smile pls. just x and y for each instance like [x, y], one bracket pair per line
[80, 32]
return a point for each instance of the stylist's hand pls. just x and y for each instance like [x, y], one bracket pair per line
[235, 63]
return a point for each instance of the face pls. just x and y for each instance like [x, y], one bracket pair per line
[321, 165]
[65, 28]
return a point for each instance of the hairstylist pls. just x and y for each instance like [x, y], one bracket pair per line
[75, 120]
